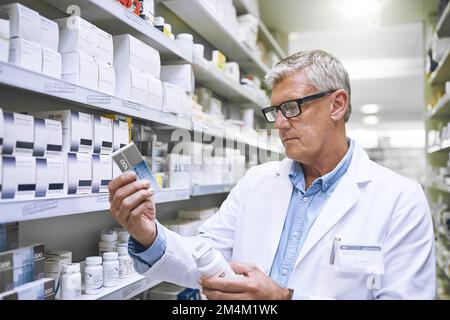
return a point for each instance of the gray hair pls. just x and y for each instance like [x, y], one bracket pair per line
[325, 71]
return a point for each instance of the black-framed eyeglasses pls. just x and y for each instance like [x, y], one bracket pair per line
[291, 108]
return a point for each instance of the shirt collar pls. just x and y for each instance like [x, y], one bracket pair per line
[297, 177]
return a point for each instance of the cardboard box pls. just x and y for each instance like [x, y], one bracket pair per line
[155, 95]
[81, 69]
[181, 75]
[4, 39]
[79, 173]
[24, 22]
[60, 253]
[101, 172]
[49, 177]
[131, 52]
[19, 177]
[49, 34]
[25, 54]
[131, 84]
[105, 47]
[121, 135]
[77, 34]
[43, 289]
[51, 63]
[103, 135]
[172, 98]
[14, 144]
[48, 138]
[106, 78]
[9, 235]
[76, 126]
[170, 291]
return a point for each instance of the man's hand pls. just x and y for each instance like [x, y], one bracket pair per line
[133, 207]
[254, 285]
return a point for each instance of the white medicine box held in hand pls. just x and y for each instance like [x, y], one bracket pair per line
[77, 129]
[24, 22]
[25, 54]
[49, 177]
[18, 144]
[49, 34]
[48, 138]
[81, 69]
[79, 173]
[103, 135]
[101, 172]
[77, 34]
[19, 177]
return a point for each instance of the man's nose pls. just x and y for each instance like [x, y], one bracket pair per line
[281, 122]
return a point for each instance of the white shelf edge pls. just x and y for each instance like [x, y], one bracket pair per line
[440, 104]
[13, 76]
[206, 11]
[271, 40]
[126, 289]
[200, 190]
[445, 16]
[34, 209]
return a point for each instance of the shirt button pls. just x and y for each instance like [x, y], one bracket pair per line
[326, 185]
[285, 272]
[295, 234]
[306, 199]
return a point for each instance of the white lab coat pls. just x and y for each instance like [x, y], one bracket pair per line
[371, 205]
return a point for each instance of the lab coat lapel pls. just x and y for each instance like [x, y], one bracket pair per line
[341, 201]
[280, 196]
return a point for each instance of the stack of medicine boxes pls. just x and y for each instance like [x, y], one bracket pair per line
[87, 55]
[34, 40]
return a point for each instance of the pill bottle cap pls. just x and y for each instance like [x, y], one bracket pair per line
[108, 235]
[185, 36]
[159, 21]
[108, 256]
[71, 268]
[93, 261]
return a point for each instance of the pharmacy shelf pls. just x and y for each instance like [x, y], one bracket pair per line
[238, 137]
[442, 72]
[115, 19]
[48, 87]
[267, 36]
[443, 25]
[443, 147]
[202, 190]
[222, 84]
[15, 210]
[241, 7]
[127, 289]
[441, 110]
[200, 17]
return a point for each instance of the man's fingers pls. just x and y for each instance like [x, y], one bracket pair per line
[225, 285]
[220, 295]
[121, 181]
[122, 193]
[242, 268]
[145, 208]
[132, 202]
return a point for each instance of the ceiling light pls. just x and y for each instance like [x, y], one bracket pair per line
[371, 120]
[370, 108]
[361, 8]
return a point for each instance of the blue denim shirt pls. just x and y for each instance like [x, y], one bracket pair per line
[304, 208]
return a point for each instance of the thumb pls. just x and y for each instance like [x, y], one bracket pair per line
[242, 268]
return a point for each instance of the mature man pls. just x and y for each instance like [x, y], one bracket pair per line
[324, 223]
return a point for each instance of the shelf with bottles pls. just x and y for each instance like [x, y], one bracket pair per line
[443, 25]
[219, 29]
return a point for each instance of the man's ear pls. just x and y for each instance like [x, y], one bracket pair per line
[339, 105]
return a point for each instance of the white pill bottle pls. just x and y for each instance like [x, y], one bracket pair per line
[210, 262]
[110, 269]
[93, 275]
[71, 282]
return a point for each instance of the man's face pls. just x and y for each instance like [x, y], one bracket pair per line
[304, 136]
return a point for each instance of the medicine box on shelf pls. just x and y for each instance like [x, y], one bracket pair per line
[49, 34]
[13, 143]
[181, 75]
[101, 172]
[77, 129]
[48, 138]
[51, 63]
[4, 37]
[24, 22]
[79, 173]
[155, 93]
[19, 177]
[106, 78]
[80, 69]
[131, 84]
[49, 177]
[25, 54]
[77, 34]
[103, 135]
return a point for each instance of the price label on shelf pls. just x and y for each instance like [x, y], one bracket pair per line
[38, 207]
[131, 105]
[55, 87]
[99, 99]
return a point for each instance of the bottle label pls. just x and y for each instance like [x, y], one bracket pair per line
[93, 280]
